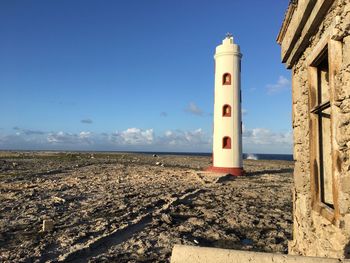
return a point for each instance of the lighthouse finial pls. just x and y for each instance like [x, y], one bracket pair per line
[229, 35]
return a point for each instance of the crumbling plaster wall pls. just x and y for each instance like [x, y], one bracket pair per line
[313, 235]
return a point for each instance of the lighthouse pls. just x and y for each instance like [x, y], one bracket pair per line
[227, 134]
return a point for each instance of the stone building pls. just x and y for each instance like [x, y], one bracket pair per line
[315, 45]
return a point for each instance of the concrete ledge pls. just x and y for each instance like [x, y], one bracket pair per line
[191, 254]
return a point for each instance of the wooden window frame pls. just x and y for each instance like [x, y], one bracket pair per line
[334, 52]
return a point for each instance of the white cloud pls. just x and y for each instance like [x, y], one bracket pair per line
[62, 137]
[186, 139]
[282, 84]
[168, 133]
[261, 140]
[65, 138]
[133, 136]
[22, 141]
[85, 135]
[256, 140]
[194, 109]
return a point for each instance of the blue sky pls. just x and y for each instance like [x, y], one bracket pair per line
[137, 75]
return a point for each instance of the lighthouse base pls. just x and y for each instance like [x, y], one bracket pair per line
[235, 171]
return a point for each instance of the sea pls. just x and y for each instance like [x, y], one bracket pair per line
[248, 156]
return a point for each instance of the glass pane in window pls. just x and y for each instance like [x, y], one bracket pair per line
[327, 190]
[324, 86]
[323, 81]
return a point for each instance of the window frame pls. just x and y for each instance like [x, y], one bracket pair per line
[334, 50]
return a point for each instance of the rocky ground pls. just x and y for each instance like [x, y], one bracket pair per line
[117, 207]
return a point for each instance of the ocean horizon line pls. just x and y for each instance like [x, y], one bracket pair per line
[249, 156]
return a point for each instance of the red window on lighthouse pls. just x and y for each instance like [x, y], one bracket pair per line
[226, 111]
[226, 143]
[226, 79]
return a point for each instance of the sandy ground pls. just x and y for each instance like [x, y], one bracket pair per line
[126, 208]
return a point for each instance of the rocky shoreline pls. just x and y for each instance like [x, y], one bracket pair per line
[122, 207]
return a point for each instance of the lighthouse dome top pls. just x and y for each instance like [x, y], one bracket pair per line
[228, 46]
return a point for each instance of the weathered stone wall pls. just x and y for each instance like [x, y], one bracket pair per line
[314, 235]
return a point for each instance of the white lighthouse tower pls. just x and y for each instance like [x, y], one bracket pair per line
[227, 135]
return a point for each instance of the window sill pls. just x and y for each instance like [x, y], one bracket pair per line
[325, 211]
